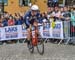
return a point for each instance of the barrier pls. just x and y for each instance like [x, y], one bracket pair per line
[12, 32]
[69, 31]
[55, 32]
[19, 31]
[63, 30]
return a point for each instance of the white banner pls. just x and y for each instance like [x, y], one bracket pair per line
[19, 31]
[55, 31]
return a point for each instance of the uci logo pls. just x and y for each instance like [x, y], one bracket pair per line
[11, 29]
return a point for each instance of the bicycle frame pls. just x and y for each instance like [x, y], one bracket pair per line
[35, 36]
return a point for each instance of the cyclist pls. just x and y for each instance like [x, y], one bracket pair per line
[31, 18]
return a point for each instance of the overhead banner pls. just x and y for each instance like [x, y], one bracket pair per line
[19, 31]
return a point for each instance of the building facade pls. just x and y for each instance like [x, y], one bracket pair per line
[13, 6]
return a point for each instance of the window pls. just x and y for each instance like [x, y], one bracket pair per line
[70, 2]
[24, 2]
[4, 1]
[60, 1]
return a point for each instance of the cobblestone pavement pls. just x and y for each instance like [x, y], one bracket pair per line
[52, 52]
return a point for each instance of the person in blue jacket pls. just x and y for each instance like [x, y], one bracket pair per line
[5, 22]
[19, 20]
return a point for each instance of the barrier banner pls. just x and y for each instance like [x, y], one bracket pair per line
[1, 34]
[11, 32]
[24, 32]
[57, 31]
[53, 32]
[14, 32]
[19, 31]
[46, 30]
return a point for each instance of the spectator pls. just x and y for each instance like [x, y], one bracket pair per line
[49, 12]
[11, 21]
[50, 3]
[55, 3]
[62, 10]
[6, 15]
[56, 14]
[66, 14]
[73, 16]
[62, 13]
[4, 21]
[69, 9]
[21, 17]
[19, 20]
[44, 16]
[73, 22]
[52, 9]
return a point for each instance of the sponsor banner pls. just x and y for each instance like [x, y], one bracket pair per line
[24, 32]
[50, 31]
[11, 32]
[19, 31]
[1, 34]
[57, 31]
[46, 30]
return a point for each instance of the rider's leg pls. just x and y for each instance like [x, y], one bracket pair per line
[36, 26]
[28, 36]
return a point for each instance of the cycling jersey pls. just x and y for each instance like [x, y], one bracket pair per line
[29, 19]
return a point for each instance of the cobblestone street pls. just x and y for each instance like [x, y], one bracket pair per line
[52, 52]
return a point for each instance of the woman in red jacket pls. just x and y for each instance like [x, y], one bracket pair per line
[11, 21]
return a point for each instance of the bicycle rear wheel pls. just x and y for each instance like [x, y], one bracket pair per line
[40, 46]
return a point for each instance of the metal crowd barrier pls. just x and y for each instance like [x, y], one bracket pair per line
[69, 31]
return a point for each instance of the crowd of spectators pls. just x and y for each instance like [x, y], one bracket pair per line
[9, 20]
[58, 13]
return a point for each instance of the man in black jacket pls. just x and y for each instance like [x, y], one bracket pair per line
[49, 3]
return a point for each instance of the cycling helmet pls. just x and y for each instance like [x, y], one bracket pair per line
[34, 7]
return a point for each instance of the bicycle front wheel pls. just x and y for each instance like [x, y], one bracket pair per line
[30, 47]
[40, 46]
